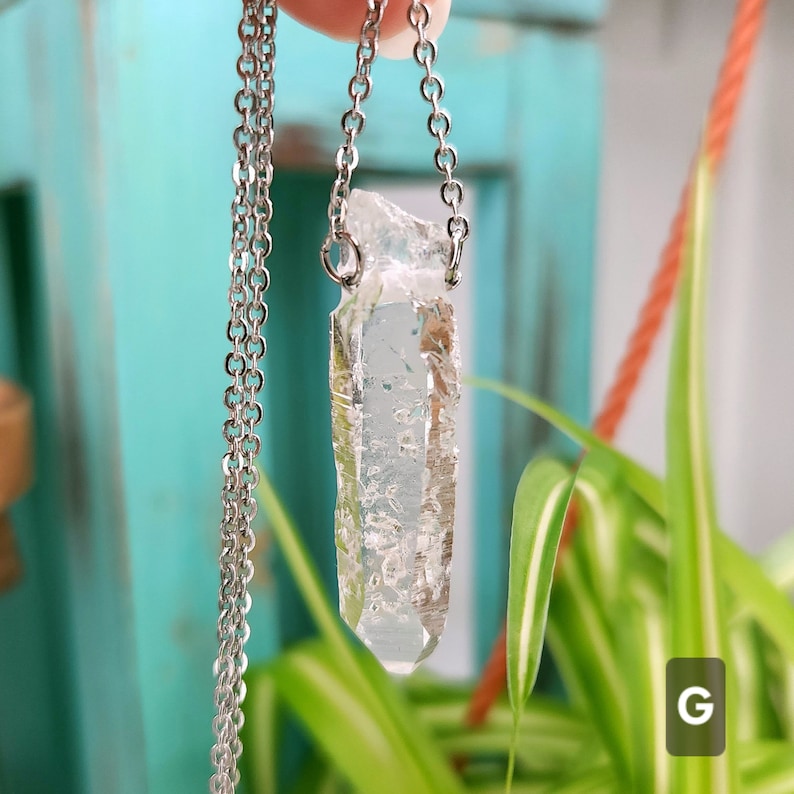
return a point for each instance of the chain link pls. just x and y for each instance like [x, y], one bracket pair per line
[439, 124]
[353, 122]
[251, 211]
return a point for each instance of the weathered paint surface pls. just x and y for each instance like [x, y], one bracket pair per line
[115, 122]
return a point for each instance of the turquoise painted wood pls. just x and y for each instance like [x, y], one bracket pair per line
[85, 732]
[115, 122]
[547, 280]
[572, 12]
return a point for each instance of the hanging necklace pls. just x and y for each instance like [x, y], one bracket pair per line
[251, 244]
[395, 383]
[394, 378]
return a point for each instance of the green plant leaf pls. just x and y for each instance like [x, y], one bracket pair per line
[261, 734]
[606, 521]
[598, 780]
[751, 665]
[363, 675]
[645, 484]
[365, 745]
[643, 649]
[757, 595]
[769, 768]
[301, 567]
[318, 776]
[552, 734]
[541, 502]
[696, 605]
[778, 562]
[579, 636]
[786, 700]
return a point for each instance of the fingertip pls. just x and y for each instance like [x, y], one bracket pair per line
[342, 19]
[402, 44]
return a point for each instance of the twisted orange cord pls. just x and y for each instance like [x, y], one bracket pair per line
[744, 34]
[747, 22]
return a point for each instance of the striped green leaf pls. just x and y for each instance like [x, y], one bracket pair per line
[356, 679]
[339, 715]
[551, 734]
[541, 502]
[643, 649]
[583, 647]
[754, 696]
[757, 595]
[606, 527]
[645, 484]
[696, 608]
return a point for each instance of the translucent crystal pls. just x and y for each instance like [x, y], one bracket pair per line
[395, 383]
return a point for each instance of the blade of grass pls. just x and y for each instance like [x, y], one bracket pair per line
[696, 610]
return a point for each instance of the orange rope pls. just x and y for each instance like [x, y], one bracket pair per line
[747, 22]
[744, 34]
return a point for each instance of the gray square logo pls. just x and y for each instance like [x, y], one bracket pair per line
[695, 706]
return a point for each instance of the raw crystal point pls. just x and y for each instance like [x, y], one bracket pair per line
[395, 384]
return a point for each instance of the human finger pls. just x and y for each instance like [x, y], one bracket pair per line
[342, 19]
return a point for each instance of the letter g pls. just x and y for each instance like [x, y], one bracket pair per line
[705, 710]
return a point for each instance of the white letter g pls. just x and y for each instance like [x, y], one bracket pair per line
[705, 710]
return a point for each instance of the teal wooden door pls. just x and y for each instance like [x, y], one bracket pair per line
[115, 150]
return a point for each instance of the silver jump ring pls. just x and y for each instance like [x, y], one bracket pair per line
[453, 276]
[349, 281]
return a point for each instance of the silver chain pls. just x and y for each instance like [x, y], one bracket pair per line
[353, 123]
[439, 124]
[251, 244]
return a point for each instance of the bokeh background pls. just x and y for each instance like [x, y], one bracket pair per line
[575, 122]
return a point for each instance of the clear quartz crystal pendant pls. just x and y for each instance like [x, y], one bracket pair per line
[395, 384]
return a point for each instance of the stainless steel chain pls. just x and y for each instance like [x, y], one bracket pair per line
[353, 123]
[439, 124]
[251, 212]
